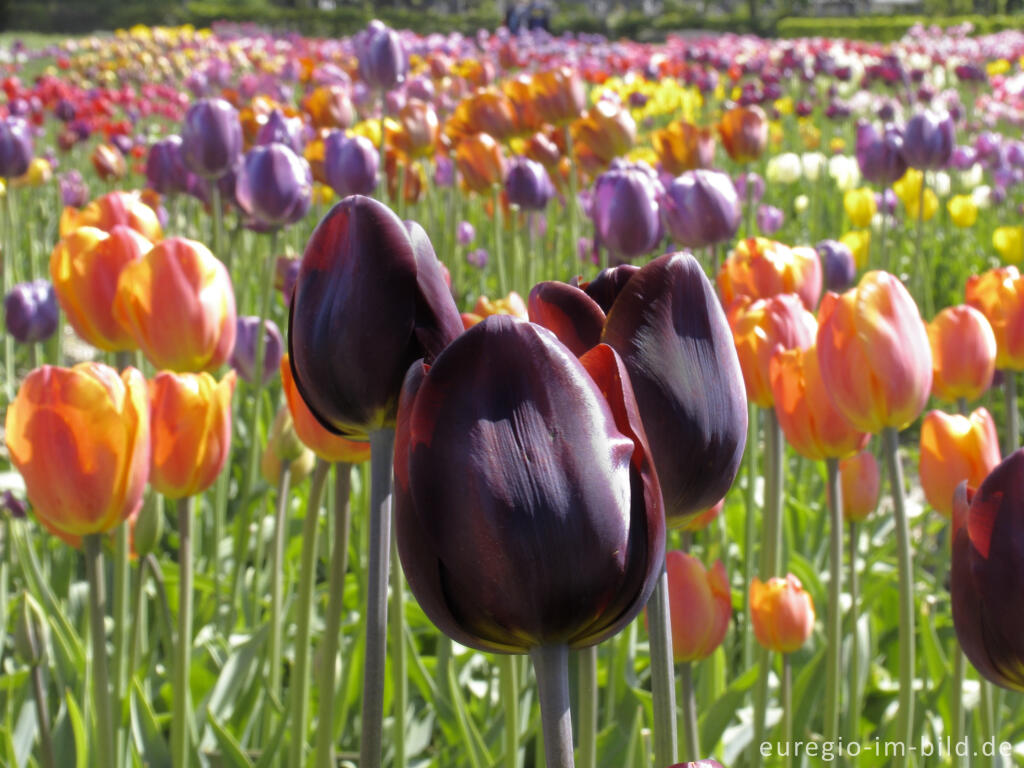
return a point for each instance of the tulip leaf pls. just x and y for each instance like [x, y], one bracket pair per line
[78, 731]
[231, 750]
[147, 736]
[715, 719]
[237, 670]
[808, 687]
[24, 731]
[272, 750]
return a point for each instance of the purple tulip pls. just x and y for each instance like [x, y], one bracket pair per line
[243, 358]
[274, 185]
[15, 147]
[963, 157]
[887, 202]
[350, 164]
[880, 156]
[527, 184]
[701, 208]
[769, 219]
[625, 209]
[73, 190]
[971, 73]
[30, 311]
[749, 184]
[382, 58]
[283, 130]
[928, 140]
[444, 172]
[13, 506]
[465, 233]
[65, 111]
[165, 166]
[838, 265]
[211, 138]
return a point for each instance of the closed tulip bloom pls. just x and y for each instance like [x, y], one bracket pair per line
[350, 164]
[558, 95]
[963, 211]
[769, 219]
[481, 162]
[527, 509]
[604, 132]
[908, 190]
[987, 573]
[963, 353]
[417, 131]
[880, 154]
[178, 304]
[759, 268]
[285, 450]
[243, 356]
[487, 110]
[744, 133]
[85, 267]
[190, 418]
[928, 142]
[700, 606]
[383, 62]
[108, 162]
[329, 106]
[1009, 243]
[80, 439]
[274, 185]
[30, 311]
[956, 448]
[999, 295]
[860, 206]
[15, 147]
[837, 263]
[781, 612]
[165, 167]
[874, 353]
[625, 210]
[280, 129]
[860, 483]
[110, 210]
[528, 185]
[370, 299]
[211, 138]
[682, 146]
[701, 208]
[761, 329]
[858, 243]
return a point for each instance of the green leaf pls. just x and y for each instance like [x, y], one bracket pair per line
[231, 750]
[241, 665]
[715, 719]
[147, 735]
[78, 729]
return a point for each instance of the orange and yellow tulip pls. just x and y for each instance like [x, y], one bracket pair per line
[744, 133]
[111, 209]
[700, 605]
[963, 353]
[417, 130]
[860, 483]
[489, 111]
[80, 439]
[955, 448]
[759, 268]
[108, 162]
[481, 162]
[558, 95]
[781, 612]
[999, 295]
[512, 304]
[329, 106]
[682, 146]
[604, 132]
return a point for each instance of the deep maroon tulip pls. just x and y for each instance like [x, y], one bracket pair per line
[274, 185]
[283, 130]
[880, 155]
[928, 140]
[527, 184]
[701, 208]
[243, 357]
[211, 137]
[838, 265]
[576, 319]
[165, 167]
[625, 209]
[382, 58]
[605, 288]
[13, 506]
[370, 299]
[970, 72]
[65, 111]
[350, 164]
[30, 311]
[527, 509]
[987, 578]
[15, 147]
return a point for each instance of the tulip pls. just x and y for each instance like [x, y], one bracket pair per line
[481, 162]
[838, 264]
[528, 185]
[80, 438]
[684, 147]
[908, 190]
[625, 209]
[880, 156]
[859, 480]
[510, 305]
[860, 206]
[558, 95]
[769, 219]
[85, 267]
[784, 169]
[274, 185]
[110, 210]
[986, 577]
[178, 305]
[15, 147]
[486, 111]
[30, 311]
[73, 190]
[874, 354]
[39, 172]
[928, 142]
[350, 164]
[963, 211]
[744, 133]
[759, 268]
[700, 606]
[243, 356]
[701, 208]
[963, 353]
[418, 131]
[329, 106]
[165, 167]
[603, 132]
[956, 448]
[999, 295]
[782, 613]
[211, 138]
[108, 162]
[282, 130]
[1009, 243]
[285, 451]
[363, 268]
[190, 419]
[383, 62]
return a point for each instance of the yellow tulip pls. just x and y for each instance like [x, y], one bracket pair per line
[860, 206]
[962, 210]
[1009, 243]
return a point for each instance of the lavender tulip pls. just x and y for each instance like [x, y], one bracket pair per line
[701, 208]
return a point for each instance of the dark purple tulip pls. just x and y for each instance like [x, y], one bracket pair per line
[886, 112]
[701, 208]
[963, 157]
[605, 288]
[370, 300]
[123, 142]
[274, 185]
[928, 140]
[971, 73]
[211, 138]
[880, 156]
[286, 272]
[769, 219]
[243, 358]
[283, 130]
[573, 316]
[1015, 154]
[838, 265]
[987, 145]
[527, 184]
[887, 202]
[803, 108]
[350, 164]
[30, 311]
[837, 110]
[527, 510]
[65, 111]
[987, 574]
[382, 58]
[625, 210]
[73, 190]
[13, 506]
[165, 167]
[749, 183]
[15, 147]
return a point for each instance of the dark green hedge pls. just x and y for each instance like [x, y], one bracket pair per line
[886, 28]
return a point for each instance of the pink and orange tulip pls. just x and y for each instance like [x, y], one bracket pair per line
[108, 211]
[700, 605]
[956, 448]
[963, 353]
[860, 483]
[759, 268]
[999, 295]
[781, 612]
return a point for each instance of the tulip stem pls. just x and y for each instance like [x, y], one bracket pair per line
[183, 646]
[399, 679]
[299, 677]
[1012, 417]
[691, 747]
[787, 707]
[853, 706]
[332, 624]
[508, 665]
[93, 544]
[571, 203]
[956, 711]
[218, 226]
[276, 594]
[382, 449]
[663, 686]
[921, 258]
[8, 276]
[42, 718]
[551, 667]
[749, 526]
[905, 715]
[588, 693]
[834, 627]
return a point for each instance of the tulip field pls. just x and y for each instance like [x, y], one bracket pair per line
[511, 401]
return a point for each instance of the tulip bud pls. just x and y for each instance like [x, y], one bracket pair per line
[999, 295]
[108, 162]
[700, 606]
[350, 164]
[30, 311]
[684, 147]
[928, 140]
[860, 206]
[781, 612]
[274, 185]
[744, 133]
[859, 480]
[880, 156]
[837, 263]
[243, 356]
[963, 354]
[30, 632]
[759, 268]
[211, 138]
[701, 208]
[284, 449]
[165, 166]
[625, 209]
[330, 106]
[955, 448]
[383, 62]
[481, 162]
[15, 147]
[111, 210]
[527, 184]
[148, 527]
[282, 130]
[604, 132]
[558, 95]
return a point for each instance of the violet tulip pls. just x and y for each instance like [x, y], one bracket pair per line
[211, 137]
[274, 185]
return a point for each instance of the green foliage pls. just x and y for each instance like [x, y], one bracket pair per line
[886, 28]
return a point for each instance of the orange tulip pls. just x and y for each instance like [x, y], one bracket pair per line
[874, 354]
[417, 130]
[84, 267]
[543, 150]
[489, 111]
[329, 106]
[178, 305]
[683, 146]
[481, 162]
[744, 132]
[190, 417]
[700, 605]
[558, 95]
[760, 329]
[108, 211]
[518, 90]
[406, 180]
[999, 295]
[108, 162]
[327, 445]
[80, 439]
[781, 612]
[759, 268]
[963, 353]
[860, 484]
[604, 132]
[809, 420]
[512, 304]
[955, 448]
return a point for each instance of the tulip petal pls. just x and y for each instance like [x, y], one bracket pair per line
[437, 322]
[569, 313]
[609, 282]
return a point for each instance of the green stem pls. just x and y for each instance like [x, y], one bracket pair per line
[180, 727]
[217, 207]
[957, 701]
[8, 277]
[510, 703]
[1012, 416]
[382, 443]
[399, 680]
[220, 507]
[138, 599]
[276, 594]
[920, 258]
[551, 667]
[332, 624]
[105, 754]
[663, 686]
[750, 526]
[986, 711]
[834, 626]
[572, 208]
[588, 695]
[905, 715]
[691, 747]
[42, 718]
[122, 578]
[299, 677]
[853, 706]
[787, 706]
